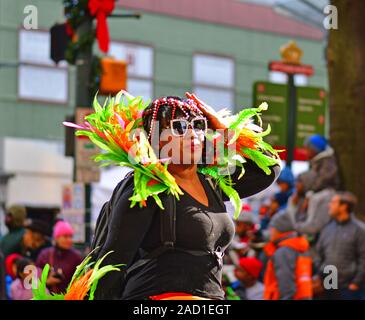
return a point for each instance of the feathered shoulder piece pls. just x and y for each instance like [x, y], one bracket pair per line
[83, 283]
[117, 128]
[245, 141]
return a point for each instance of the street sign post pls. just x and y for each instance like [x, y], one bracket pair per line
[311, 103]
[87, 170]
[277, 114]
[311, 113]
[290, 64]
[291, 68]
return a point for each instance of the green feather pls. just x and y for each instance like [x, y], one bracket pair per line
[40, 290]
[264, 162]
[98, 273]
[233, 196]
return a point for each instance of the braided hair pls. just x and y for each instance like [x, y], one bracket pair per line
[165, 109]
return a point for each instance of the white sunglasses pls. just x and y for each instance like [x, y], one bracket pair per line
[179, 127]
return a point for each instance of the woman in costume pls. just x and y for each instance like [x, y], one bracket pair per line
[191, 267]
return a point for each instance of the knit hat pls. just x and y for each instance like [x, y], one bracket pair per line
[247, 215]
[282, 222]
[62, 228]
[316, 142]
[18, 214]
[9, 261]
[286, 175]
[251, 265]
[282, 197]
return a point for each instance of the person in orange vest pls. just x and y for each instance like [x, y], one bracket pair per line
[288, 274]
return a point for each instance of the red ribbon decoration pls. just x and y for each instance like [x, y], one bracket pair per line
[101, 9]
[69, 31]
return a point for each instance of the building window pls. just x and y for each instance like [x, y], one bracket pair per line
[213, 80]
[140, 67]
[38, 77]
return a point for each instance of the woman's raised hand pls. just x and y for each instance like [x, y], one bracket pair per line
[212, 116]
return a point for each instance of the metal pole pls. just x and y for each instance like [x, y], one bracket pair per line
[83, 69]
[84, 99]
[292, 120]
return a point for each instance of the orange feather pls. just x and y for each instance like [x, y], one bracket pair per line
[79, 288]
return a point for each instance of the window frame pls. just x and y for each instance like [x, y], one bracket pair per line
[41, 66]
[152, 79]
[231, 89]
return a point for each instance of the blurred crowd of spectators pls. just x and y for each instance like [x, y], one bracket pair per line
[300, 239]
[31, 243]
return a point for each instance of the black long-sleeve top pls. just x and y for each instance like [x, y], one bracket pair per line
[197, 228]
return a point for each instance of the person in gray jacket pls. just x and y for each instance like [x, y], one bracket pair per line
[317, 216]
[298, 202]
[309, 210]
[322, 180]
[322, 162]
[341, 245]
